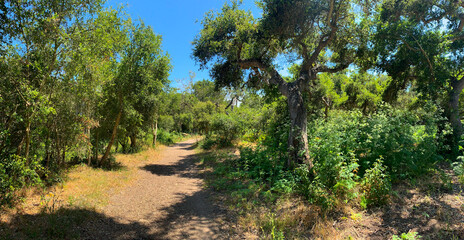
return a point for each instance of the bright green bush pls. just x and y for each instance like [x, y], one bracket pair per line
[408, 141]
[16, 173]
[166, 137]
[375, 185]
[261, 164]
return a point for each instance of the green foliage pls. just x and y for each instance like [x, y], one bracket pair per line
[227, 128]
[458, 168]
[166, 122]
[261, 164]
[409, 142]
[168, 138]
[407, 236]
[16, 173]
[375, 186]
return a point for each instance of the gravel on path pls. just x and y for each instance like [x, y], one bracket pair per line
[167, 201]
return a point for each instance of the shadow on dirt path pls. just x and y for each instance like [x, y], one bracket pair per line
[167, 201]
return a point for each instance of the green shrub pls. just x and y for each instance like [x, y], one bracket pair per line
[408, 141]
[458, 168]
[261, 164]
[375, 186]
[15, 174]
[208, 142]
[407, 236]
[227, 127]
[166, 122]
[166, 137]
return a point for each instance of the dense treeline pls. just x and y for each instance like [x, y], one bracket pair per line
[72, 75]
[372, 97]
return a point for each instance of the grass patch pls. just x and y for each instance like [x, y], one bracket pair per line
[57, 212]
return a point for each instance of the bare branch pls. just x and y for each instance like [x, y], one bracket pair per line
[426, 57]
[323, 42]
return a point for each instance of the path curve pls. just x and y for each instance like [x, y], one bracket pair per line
[167, 201]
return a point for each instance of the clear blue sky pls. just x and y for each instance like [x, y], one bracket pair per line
[178, 21]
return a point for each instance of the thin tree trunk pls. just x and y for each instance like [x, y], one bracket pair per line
[28, 141]
[454, 115]
[89, 150]
[133, 145]
[96, 146]
[117, 145]
[364, 108]
[327, 103]
[113, 136]
[298, 136]
[155, 133]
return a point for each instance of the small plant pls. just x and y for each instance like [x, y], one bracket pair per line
[458, 168]
[375, 185]
[407, 236]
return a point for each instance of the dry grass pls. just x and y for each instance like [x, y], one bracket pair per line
[84, 187]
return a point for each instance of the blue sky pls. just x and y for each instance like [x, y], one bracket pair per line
[178, 21]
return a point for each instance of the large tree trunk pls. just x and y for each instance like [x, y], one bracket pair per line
[453, 112]
[298, 135]
[113, 136]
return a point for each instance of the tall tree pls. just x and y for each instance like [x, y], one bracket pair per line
[422, 42]
[141, 75]
[324, 36]
[39, 38]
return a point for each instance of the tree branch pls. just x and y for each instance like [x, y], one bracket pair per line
[426, 57]
[323, 42]
[335, 69]
[274, 76]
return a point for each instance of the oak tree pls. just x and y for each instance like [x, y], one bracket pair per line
[240, 50]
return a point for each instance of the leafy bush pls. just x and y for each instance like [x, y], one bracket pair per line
[228, 128]
[375, 185]
[166, 137]
[407, 236]
[409, 142]
[261, 164]
[458, 168]
[15, 174]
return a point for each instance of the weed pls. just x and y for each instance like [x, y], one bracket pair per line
[407, 236]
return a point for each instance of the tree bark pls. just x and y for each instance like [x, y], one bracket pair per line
[155, 133]
[133, 144]
[113, 136]
[454, 115]
[97, 145]
[28, 141]
[298, 136]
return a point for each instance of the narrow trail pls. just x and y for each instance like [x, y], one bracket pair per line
[167, 201]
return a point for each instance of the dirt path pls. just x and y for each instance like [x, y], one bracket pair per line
[167, 201]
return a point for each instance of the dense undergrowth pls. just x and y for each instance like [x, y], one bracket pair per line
[357, 158]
